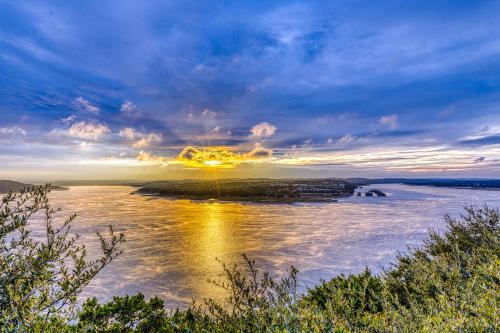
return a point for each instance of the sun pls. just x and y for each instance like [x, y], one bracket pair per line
[212, 163]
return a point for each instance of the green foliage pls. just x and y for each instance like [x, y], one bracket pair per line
[123, 314]
[41, 275]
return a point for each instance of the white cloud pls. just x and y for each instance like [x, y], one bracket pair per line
[207, 113]
[153, 159]
[88, 130]
[345, 140]
[484, 132]
[147, 140]
[83, 104]
[391, 121]
[129, 109]
[263, 130]
[68, 120]
[13, 130]
[140, 139]
[85, 145]
[129, 133]
[207, 116]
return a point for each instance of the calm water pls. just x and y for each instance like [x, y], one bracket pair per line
[172, 244]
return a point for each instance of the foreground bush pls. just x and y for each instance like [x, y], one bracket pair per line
[449, 284]
[41, 277]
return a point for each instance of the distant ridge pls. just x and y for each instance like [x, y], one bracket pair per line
[471, 183]
[10, 185]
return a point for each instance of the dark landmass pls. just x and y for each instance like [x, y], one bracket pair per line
[255, 190]
[468, 183]
[10, 185]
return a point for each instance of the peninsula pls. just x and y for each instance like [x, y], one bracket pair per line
[255, 190]
[13, 186]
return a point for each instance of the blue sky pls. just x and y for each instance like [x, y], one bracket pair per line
[107, 89]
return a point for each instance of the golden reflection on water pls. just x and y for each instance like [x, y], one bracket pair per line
[172, 244]
[209, 237]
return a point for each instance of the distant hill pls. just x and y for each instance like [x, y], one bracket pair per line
[10, 185]
[470, 183]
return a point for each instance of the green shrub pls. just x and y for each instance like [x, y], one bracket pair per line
[123, 314]
[41, 277]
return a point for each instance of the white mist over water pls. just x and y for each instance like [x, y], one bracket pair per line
[172, 245]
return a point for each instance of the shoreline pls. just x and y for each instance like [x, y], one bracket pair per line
[245, 199]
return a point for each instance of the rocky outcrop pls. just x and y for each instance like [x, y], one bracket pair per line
[376, 193]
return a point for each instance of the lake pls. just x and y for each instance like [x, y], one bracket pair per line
[172, 245]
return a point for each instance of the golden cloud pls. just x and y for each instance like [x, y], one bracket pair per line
[210, 157]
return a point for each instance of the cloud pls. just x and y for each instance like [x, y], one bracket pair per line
[129, 109]
[254, 71]
[346, 139]
[263, 130]
[140, 139]
[85, 145]
[68, 120]
[487, 136]
[210, 157]
[220, 157]
[487, 140]
[391, 121]
[83, 104]
[259, 152]
[188, 153]
[129, 133]
[206, 115]
[13, 130]
[147, 140]
[148, 157]
[88, 130]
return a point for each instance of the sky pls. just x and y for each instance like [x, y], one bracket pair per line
[201, 89]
